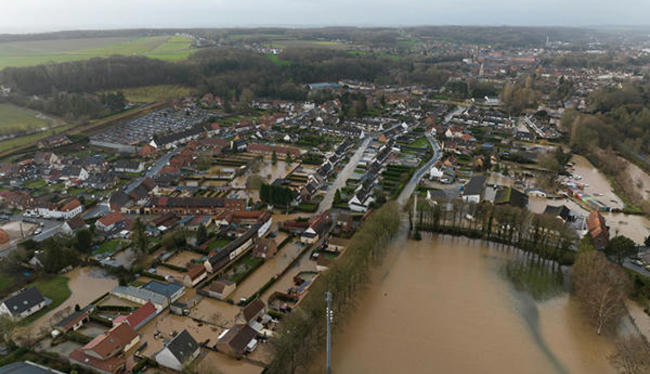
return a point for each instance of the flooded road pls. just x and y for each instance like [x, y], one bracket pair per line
[343, 176]
[443, 305]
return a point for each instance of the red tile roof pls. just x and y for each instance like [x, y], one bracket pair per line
[111, 218]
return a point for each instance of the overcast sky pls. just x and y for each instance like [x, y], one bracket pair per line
[18, 16]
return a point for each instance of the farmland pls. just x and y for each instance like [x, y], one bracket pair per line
[34, 52]
[150, 94]
[14, 119]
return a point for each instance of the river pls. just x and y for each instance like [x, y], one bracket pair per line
[444, 305]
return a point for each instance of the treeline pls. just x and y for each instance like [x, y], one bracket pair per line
[97, 74]
[301, 334]
[618, 121]
[275, 195]
[542, 235]
[73, 106]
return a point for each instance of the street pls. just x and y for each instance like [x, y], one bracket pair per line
[346, 173]
[410, 186]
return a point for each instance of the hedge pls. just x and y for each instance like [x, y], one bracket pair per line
[153, 276]
[174, 267]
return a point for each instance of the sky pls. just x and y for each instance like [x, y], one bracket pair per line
[25, 16]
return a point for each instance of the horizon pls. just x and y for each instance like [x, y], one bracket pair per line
[32, 16]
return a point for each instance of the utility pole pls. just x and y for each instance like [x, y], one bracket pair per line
[330, 316]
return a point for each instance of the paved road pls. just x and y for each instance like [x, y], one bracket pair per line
[155, 169]
[50, 227]
[639, 269]
[346, 173]
[410, 186]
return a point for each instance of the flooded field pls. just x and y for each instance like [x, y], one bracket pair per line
[226, 364]
[270, 268]
[86, 284]
[182, 258]
[443, 305]
[267, 171]
[596, 182]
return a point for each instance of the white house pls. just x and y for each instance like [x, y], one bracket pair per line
[179, 352]
[23, 303]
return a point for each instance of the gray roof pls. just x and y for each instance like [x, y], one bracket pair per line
[23, 300]
[183, 346]
[27, 367]
[165, 289]
[140, 293]
[475, 185]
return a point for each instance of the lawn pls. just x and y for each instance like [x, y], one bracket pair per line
[219, 243]
[108, 247]
[5, 281]
[55, 289]
[34, 52]
[420, 142]
[14, 118]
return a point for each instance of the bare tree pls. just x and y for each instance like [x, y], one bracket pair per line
[602, 288]
[632, 355]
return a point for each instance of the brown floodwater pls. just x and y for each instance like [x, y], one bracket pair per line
[443, 305]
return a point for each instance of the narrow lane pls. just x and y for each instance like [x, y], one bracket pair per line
[346, 173]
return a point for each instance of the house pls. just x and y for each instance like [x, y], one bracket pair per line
[139, 317]
[265, 248]
[74, 173]
[179, 352]
[104, 354]
[53, 141]
[118, 200]
[72, 225]
[172, 291]
[473, 190]
[73, 322]
[128, 166]
[512, 197]
[254, 310]
[221, 289]
[335, 244]
[23, 303]
[110, 221]
[560, 212]
[598, 229]
[317, 228]
[141, 296]
[65, 209]
[362, 198]
[27, 367]
[194, 275]
[237, 341]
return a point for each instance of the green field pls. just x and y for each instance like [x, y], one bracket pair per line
[14, 118]
[276, 60]
[34, 52]
[150, 94]
[55, 289]
[5, 281]
[12, 144]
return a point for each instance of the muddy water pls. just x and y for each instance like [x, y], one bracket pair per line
[86, 285]
[442, 305]
[597, 182]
